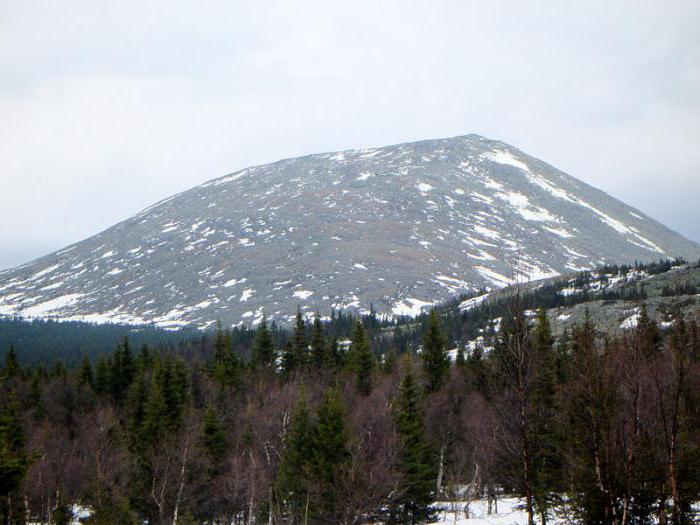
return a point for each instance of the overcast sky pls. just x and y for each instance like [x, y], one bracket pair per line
[107, 107]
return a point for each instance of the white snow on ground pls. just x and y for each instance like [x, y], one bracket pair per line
[303, 294]
[51, 305]
[424, 187]
[508, 514]
[504, 157]
[495, 278]
[234, 282]
[472, 303]
[244, 241]
[247, 294]
[410, 307]
[365, 175]
[561, 232]
[487, 232]
[359, 266]
[631, 322]
[527, 210]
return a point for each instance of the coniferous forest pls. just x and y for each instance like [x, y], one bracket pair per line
[333, 422]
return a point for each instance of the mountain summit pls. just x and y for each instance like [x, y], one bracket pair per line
[398, 227]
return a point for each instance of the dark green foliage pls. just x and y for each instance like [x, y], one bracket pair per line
[11, 368]
[319, 352]
[300, 345]
[263, 347]
[227, 367]
[331, 457]
[361, 359]
[214, 438]
[545, 433]
[86, 376]
[417, 461]
[14, 460]
[436, 362]
[293, 483]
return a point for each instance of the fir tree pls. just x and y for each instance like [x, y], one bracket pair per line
[417, 465]
[318, 343]
[103, 376]
[14, 460]
[293, 485]
[86, 375]
[460, 360]
[227, 368]
[436, 361]
[11, 368]
[214, 438]
[545, 438]
[155, 415]
[361, 359]
[301, 348]
[289, 359]
[330, 454]
[263, 347]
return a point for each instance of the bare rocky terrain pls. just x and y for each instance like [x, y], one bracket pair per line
[397, 228]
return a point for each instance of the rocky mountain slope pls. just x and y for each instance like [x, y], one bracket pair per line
[398, 227]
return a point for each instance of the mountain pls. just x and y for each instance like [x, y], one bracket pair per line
[398, 227]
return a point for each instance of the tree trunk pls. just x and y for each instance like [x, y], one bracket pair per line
[441, 471]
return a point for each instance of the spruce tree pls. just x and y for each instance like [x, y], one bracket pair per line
[293, 478]
[301, 347]
[11, 368]
[436, 361]
[361, 359]
[86, 375]
[545, 437]
[14, 460]
[289, 359]
[318, 343]
[227, 368]
[263, 347]
[417, 464]
[331, 456]
[214, 439]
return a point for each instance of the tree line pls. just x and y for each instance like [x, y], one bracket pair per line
[311, 428]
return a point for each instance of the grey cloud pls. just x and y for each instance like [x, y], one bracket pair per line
[110, 107]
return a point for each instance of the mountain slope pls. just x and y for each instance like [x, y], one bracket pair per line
[399, 227]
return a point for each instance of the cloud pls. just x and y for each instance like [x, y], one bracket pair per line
[108, 107]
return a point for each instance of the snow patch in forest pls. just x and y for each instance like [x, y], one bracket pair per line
[410, 307]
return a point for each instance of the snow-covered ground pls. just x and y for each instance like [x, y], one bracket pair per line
[508, 514]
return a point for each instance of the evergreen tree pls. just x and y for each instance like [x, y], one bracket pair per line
[11, 368]
[86, 376]
[460, 360]
[301, 347]
[103, 376]
[137, 401]
[417, 464]
[14, 460]
[436, 361]
[334, 357]
[289, 359]
[545, 437]
[331, 456]
[227, 368]
[263, 347]
[361, 359]
[293, 484]
[155, 415]
[318, 343]
[214, 438]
